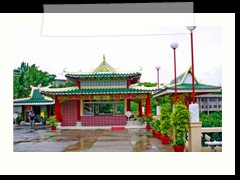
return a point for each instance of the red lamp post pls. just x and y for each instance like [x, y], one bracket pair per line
[174, 46]
[191, 28]
[158, 67]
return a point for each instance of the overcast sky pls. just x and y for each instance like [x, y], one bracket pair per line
[57, 42]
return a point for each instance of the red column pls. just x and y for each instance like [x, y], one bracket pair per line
[79, 83]
[148, 106]
[78, 109]
[175, 78]
[128, 83]
[140, 108]
[128, 104]
[57, 108]
[193, 88]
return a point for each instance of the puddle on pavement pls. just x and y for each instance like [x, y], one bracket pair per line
[83, 145]
[142, 145]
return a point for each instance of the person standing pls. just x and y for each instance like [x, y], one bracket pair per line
[42, 115]
[32, 117]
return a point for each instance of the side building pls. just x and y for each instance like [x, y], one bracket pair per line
[209, 102]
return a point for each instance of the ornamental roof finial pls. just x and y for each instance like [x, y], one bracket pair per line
[104, 57]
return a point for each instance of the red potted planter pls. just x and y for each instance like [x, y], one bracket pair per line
[154, 132]
[160, 135]
[178, 148]
[148, 127]
[53, 127]
[165, 139]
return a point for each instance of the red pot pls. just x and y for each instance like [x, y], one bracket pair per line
[18, 123]
[154, 132]
[178, 148]
[148, 127]
[165, 139]
[160, 135]
[53, 127]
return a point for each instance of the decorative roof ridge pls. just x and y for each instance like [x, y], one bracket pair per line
[21, 99]
[39, 87]
[185, 75]
[172, 85]
[61, 89]
[119, 72]
[196, 79]
[71, 72]
[48, 98]
[104, 63]
[210, 85]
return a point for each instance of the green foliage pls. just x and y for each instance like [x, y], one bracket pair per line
[179, 116]
[134, 107]
[179, 142]
[165, 99]
[165, 119]
[29, 75]
[19, 118]
[213, 120]
[147, 120]
[67, 84]
[52, 121]
[147, 84]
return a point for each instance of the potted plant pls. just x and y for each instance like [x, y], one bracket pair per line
[154, 126]
[18, 120]
[148, 121]
[165, 122]
[180, 116]
[53, 122]
[158, 129]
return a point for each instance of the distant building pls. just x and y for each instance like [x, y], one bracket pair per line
[184, 90]
[209, 102]
[59, 81]
[36, 101]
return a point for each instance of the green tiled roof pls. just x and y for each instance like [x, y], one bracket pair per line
[179, 78]
[36, 98]
[99, 91]
[103, 75]
[196, 86]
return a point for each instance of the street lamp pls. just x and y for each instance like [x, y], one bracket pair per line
[191, 28]
[174, 46]
[158, 67]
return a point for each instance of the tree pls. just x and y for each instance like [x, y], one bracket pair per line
[29, 75]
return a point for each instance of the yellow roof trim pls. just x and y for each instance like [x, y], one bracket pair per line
[186, 73]
[104, 64]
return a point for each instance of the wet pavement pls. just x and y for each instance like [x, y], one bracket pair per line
[42, 139]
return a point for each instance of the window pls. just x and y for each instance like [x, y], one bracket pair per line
[219, 106]
[103, 107]
[119, 108]
[88, 109]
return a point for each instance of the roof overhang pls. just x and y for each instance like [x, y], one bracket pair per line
[34, 103]
[181, 91]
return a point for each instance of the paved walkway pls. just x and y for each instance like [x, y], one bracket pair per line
[99, 139]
